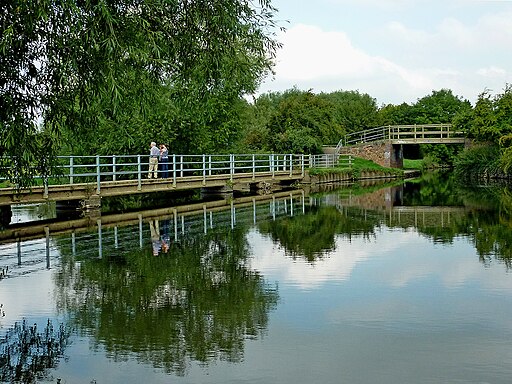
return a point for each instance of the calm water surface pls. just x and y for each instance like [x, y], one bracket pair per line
[405, 284]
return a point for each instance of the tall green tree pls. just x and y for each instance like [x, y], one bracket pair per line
[401, 114]
[69, 68]
[255, 135]
[354, 111]
[483, 123]
[302, 122]
[439, 107]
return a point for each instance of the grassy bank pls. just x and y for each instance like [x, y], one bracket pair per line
[414, 164]
[358, 165]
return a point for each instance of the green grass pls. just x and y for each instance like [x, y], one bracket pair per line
[367, 165]
[358, 165]
[413, 164]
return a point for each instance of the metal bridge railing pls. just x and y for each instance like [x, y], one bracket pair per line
[98, 169]
[400, 132]
[331, 161]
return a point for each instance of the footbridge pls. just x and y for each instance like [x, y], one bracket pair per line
[384, 144]
[88, 178]
[85, 180]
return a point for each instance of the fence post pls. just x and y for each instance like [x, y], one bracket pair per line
[47, 235]
[272, 165]
[231, 166]
[181, 165]
[174, 170]
[71, 170]
[210, 165]
[100, 239]
[302, 164]
[45, 183]
[140, 228]
[139, 174]
[114, 168]
[204, 169]
[253, 167]
[98, 172]
[291, 165]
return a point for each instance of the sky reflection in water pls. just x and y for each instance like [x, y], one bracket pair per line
[391, 307]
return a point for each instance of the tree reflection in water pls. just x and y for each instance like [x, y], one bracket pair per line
[482, 214]
[26, 355]
[198, 302]
[312, 235]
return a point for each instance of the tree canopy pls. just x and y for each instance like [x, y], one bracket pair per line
[77, 70]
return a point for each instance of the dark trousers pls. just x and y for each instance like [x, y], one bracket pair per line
[164, 167]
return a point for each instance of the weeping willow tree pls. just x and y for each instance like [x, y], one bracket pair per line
[103, 74]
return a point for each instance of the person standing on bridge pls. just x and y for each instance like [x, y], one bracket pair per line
[164, 161]
[153, 161]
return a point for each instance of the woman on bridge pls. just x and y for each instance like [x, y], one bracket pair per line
[164, 160]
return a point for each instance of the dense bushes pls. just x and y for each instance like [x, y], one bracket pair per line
[482, 160]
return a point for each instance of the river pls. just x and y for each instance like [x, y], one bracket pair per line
[394, 283]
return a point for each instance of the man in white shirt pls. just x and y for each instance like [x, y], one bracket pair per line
[153, 161]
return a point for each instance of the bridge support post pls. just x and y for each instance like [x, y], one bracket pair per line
[397, 156]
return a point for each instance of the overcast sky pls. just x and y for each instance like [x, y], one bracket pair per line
[394, 50]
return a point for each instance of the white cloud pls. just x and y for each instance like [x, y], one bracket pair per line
[452, 32]
[328, 61]
[401, 56]
[492, 71]
[274, 264]
[308, 52]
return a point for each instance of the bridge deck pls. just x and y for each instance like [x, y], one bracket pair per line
[82, 191]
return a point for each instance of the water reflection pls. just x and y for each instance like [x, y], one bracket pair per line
[27, 354]
[215, 282]
[160, 238]
[198, 302]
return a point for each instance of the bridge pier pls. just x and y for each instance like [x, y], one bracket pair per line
[396, 159]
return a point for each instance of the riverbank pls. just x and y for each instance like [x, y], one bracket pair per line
[360, 169]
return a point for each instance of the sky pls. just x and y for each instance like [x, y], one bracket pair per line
[396, 51]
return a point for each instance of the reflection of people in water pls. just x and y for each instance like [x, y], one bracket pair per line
[155, 236]
[159, 241]
[166, 237]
